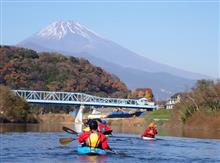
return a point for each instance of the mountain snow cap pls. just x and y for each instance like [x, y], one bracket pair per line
[59, 29]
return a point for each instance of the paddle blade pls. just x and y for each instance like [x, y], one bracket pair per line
[65, 141]
[108, 132]
[117, 153]
[66, 129]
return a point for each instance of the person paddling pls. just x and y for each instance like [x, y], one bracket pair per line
[151, 131]
[93, 138]
[103, 127]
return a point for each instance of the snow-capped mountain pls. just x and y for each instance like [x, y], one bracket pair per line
[60, 29]
[66, 36]
[72, 38]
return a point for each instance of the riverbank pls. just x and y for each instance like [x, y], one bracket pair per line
[200, 125]
[55, 118]
[122, 127]
[162, 118]
[204, 121]
[45, 118]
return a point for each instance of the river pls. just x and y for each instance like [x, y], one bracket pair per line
[39, 143]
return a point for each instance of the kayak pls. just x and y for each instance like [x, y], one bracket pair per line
[122, 114]
[90, 151]
[148, 138]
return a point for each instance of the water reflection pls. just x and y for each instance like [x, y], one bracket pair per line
[93, 159]
[44, 127]
[120, 128]
[214, 134]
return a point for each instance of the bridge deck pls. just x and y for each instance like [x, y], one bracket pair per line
[70, 98]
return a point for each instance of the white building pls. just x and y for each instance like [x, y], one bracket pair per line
[172, 101]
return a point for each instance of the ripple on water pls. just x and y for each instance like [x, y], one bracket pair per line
[44, 147]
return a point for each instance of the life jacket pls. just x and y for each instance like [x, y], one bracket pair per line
[93, 140]
[151, 132]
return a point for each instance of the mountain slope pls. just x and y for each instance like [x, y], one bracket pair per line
[74, 39]
[163, 84]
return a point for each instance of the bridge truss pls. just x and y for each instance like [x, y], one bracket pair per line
[70, 98]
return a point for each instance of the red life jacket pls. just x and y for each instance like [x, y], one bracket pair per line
[150, 132]
[103, 128]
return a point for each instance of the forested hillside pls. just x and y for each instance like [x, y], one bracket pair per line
[26, 69]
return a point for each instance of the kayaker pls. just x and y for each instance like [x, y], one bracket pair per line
[151, 131]
[87, 124]
[103, 127]
[93, 138]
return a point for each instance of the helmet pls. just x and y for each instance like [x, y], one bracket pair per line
[151, 125]
[104, 122]
[93, 125]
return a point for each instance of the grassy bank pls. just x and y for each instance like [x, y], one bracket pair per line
[160, 117]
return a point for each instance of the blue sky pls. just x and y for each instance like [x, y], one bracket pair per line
[181, 34]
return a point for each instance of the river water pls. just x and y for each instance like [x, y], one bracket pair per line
[32, 143]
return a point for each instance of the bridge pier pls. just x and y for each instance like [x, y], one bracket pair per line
[79, 118]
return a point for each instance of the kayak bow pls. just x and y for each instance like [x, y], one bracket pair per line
[148, 138]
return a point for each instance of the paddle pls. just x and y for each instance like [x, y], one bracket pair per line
[113, 151]
[117, 153]
[108, 132]
[70, 131]
[65, 141]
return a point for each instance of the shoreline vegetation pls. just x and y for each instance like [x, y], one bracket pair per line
[195, 111]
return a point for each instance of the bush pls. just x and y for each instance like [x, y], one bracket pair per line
[204, 97]
[12, 107]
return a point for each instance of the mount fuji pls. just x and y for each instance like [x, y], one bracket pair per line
[72, 38]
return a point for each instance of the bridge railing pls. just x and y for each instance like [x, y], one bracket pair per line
[79, 99]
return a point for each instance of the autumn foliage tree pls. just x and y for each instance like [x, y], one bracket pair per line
[204, 97]
[26, 69]
[12, 107]
[142, 93]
